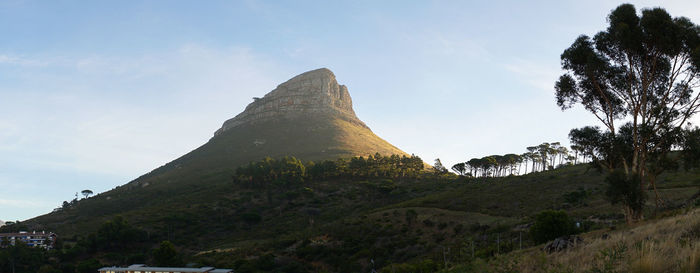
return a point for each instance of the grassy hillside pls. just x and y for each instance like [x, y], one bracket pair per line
[667, 244]
[202, 177]
[342, 225]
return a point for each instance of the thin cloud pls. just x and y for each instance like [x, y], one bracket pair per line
[128, 114]
[21, 61]
[537, 75]
[14, 203]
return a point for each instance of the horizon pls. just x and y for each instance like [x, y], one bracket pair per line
[93, 101]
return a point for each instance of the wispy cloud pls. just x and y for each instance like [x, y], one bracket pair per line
[540, 76]
[125, 115]
[7, 59]
[454, 46]
[15, 203]
[96, 121]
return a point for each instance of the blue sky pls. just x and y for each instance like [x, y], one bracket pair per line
[96, 93]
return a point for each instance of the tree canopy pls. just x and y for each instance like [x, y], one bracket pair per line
[290, 170]
[642, 71]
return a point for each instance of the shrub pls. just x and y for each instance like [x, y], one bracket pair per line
[251, 218]
[411, 216]
[88, 266]
[625, 189]
[550, 225]
[166, 255]
[458, 228]
[576, 197]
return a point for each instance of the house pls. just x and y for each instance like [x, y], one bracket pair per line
[140, 268]
[34, 239]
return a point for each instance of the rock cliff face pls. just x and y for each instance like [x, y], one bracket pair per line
[313, 93]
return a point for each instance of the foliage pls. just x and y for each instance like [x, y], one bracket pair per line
[166, 255]
[642, 69]
[550, 225]
[625, 189]
[460, 168]
[21, 258]
[438, 167]
[690, 148]
[427, 265]
[543, 157]
[331, 225]
[411, 216]
[609, 259]
[115, 234]
[576, 197]
[289, 170]
[88, 266]
[86, 193]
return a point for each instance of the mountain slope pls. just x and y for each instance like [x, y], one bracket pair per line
[340, 225]
[310, 117]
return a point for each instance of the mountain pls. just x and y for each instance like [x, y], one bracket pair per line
[309, 117]
[354, 223]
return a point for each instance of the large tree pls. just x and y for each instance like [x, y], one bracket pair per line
[460, 168]
[86, 193]
[642, 70]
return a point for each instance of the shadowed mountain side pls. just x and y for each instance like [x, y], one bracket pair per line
[309, 117]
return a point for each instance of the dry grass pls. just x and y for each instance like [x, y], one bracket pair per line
[667, 245]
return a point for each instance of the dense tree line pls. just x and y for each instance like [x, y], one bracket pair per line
[545, 156]
[290, 170]
[116, 242]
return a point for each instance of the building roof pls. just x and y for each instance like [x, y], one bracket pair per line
[141, 267]
[24, 233]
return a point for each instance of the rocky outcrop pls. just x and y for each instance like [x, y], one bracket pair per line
[562, 243]
[314, 92]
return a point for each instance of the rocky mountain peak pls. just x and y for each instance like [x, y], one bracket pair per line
[311, 93]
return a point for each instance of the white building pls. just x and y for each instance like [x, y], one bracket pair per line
[140, 268]
[34, 239]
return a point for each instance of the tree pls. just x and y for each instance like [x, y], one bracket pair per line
[411, 216]
[642, 69]
[475, 165]
[439, 168]
[533, 155]
[525, 157]
[544, 151]
[585, 140]
[624, 189]
[86, 193]
[88, 266]
[460, 168]
[166, 255]
[551, 225]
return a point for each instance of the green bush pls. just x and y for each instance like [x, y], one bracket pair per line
[251, 218]
[550, 225]
[88, 266]
[625, 189]
[166, 255]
